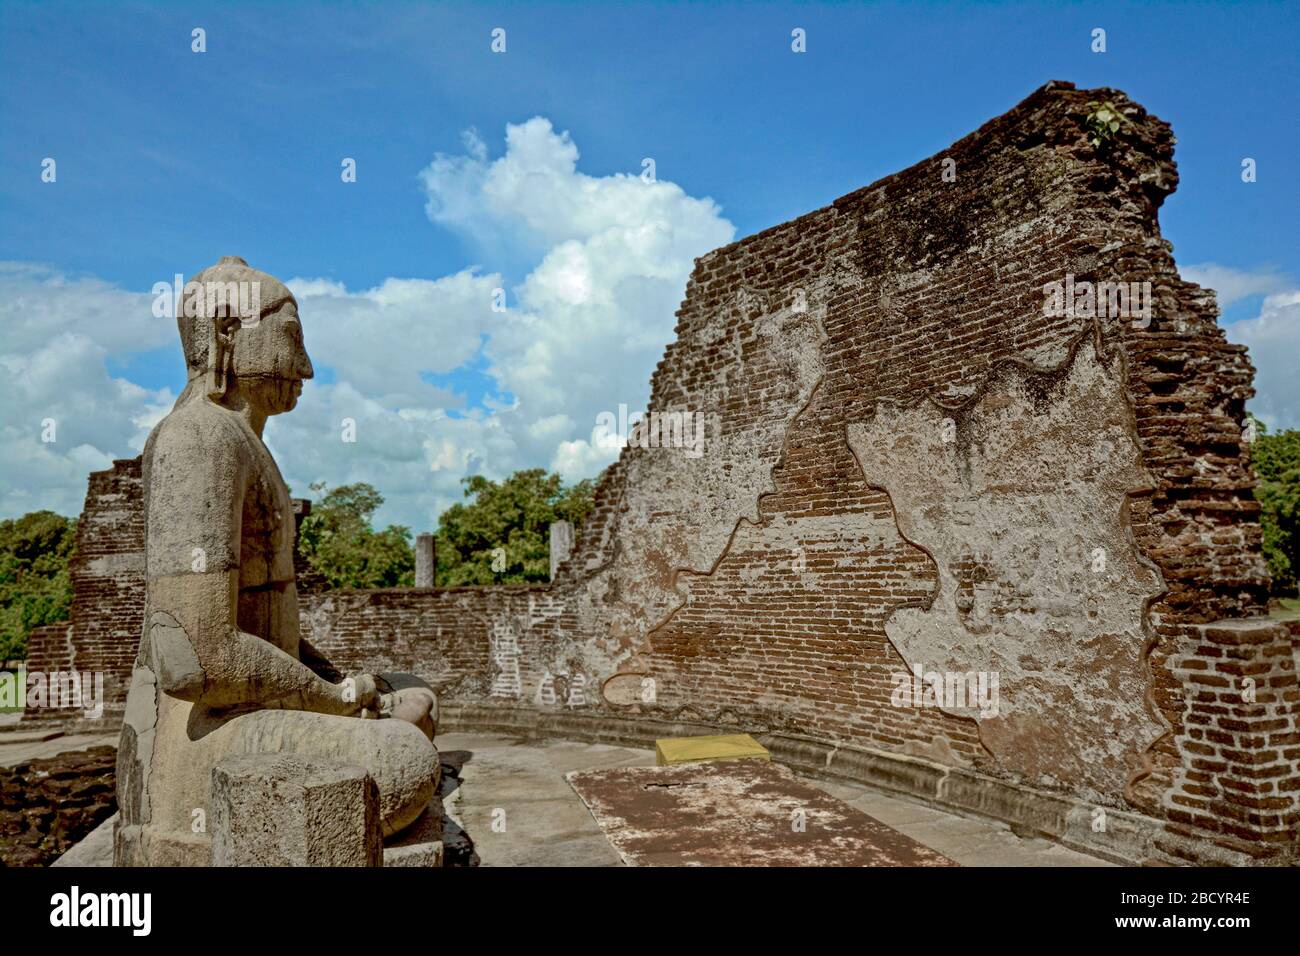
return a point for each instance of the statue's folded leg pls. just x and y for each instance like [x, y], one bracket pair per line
[170, 761]
[402, 761]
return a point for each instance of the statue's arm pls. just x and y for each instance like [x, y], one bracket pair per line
[197, 481]
[202, 657]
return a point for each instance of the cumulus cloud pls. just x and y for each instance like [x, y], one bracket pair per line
[1232, 285]
[1273, 338]
[604, 262]
[535, 194]
[65, 414]
[592, 317]
[384, 340]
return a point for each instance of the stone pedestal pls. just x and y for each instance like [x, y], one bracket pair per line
[288, 810]
[420, 844]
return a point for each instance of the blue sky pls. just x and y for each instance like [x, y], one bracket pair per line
[168, 159]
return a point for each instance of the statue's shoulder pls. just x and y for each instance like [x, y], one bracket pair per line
[195, 474]
[198, 419]
[196, 436]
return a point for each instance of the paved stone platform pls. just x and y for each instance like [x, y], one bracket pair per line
[520, 785]
[512, 801]
[20, 746]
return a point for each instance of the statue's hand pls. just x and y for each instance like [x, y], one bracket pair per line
[361, 693]
[415, 705]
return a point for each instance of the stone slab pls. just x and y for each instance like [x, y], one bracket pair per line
[675, 750]
[737, 813]
[95, 849]
[420, 844]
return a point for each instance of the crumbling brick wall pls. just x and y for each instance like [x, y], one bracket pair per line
[471, 643]
[773, 584]
[107, 572]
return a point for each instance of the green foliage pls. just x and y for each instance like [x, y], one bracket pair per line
[1277, 463]
[514, 515]
[1104, 121]
[34, 585]
[337, 540]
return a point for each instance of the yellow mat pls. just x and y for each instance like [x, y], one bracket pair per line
[674, 750]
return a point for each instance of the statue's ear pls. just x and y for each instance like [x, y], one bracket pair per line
[220, 338]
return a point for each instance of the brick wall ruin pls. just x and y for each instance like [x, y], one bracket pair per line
[911, 467]
[107, 572]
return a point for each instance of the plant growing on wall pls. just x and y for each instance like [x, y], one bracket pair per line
[1104, 121]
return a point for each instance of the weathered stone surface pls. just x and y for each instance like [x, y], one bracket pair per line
[420, 844]
[561, 544]
[94, 849]
[426, 560]
[289, 810]
[737, 813]
[1020, 496]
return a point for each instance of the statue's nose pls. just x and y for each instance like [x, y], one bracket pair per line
[305, 370]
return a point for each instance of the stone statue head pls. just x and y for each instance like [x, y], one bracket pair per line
[240, 328]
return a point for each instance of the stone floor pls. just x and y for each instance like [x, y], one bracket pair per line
[519, 786]
[513, 802]
[19, 746]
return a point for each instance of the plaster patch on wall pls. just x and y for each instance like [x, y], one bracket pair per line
[1020, 497]
[680, 512]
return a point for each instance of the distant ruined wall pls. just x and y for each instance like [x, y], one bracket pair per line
[909, 465]
[449, 636]
[107, 571]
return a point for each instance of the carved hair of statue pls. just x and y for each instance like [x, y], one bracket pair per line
[215, 302]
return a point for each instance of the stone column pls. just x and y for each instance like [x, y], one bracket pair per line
[425, 560]
[561, 544]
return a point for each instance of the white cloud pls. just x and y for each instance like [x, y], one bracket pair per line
[41, 303]
[534, 193]
[59, 332]
[381, 340]
[605, 262]
[582, 457]
[592, 317]
[1232, 285]
[1273, 338]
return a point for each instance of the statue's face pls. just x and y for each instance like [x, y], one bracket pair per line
[270, 360]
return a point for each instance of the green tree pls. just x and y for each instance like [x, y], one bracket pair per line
[1277, 463]
[502, 536]
[34, 585]
[339, 543]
